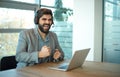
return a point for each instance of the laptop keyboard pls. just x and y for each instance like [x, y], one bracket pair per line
[63, 66]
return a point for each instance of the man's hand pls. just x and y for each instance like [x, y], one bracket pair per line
[45, 52]
[57, 54]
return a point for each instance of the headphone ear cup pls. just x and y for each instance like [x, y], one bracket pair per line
[36, 18]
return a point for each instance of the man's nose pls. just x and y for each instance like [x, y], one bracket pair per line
[47, 22]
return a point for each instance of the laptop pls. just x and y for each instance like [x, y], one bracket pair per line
[76, 61]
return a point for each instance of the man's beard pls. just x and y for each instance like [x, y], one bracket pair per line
[42, 29]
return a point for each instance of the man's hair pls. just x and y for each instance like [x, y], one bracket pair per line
[40, 13]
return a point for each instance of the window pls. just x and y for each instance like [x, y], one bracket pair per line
[111, 44]
[16, 18]
[8, 43]
[11, 22]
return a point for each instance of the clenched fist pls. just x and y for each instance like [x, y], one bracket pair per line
[45, 52]
[57, 54]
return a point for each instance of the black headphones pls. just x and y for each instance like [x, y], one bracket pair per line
[36, 18]
[39, 13]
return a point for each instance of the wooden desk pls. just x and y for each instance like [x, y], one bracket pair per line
[89, 69]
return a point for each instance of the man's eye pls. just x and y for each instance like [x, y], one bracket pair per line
[43, 19]
[50, 19]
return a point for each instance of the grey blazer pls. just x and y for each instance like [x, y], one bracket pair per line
[30, 42]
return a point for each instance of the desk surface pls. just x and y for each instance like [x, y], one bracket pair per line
[89, 69]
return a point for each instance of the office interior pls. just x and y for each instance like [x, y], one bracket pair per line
[91, 24]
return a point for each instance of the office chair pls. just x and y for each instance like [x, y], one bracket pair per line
[8, 62]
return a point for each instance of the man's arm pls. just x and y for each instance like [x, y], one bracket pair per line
[22, 53]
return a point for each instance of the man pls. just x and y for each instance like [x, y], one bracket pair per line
[39, 45]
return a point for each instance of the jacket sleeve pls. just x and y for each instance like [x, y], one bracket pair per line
[22, 53]
[58, 47]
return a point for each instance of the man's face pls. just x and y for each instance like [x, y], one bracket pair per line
[45, 23]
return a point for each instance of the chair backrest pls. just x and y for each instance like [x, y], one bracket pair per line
[8, 62]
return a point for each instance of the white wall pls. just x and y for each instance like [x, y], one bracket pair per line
[84, 26]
